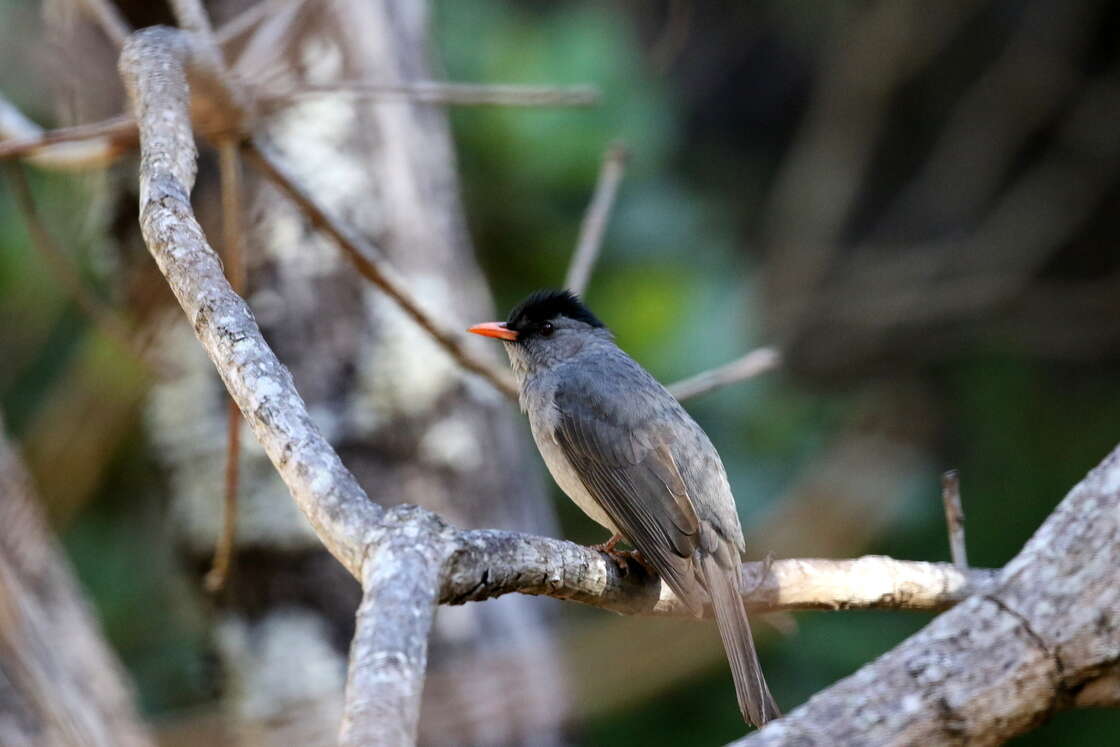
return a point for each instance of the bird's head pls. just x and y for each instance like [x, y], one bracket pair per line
[545, 329]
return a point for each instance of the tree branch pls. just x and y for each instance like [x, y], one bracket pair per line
[487, 563]
[110, 19]
[954, 517]
[757, 361]
[85, 146]
[388, 656]
[62, 684]
[594, 224]
[1001, 662]
[453, 94]
[153, 65]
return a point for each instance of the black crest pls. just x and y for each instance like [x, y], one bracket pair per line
[543, 305]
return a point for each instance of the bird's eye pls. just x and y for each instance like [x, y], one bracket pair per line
[547, 329]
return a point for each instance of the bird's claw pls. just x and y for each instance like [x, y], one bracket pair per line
[621, 558]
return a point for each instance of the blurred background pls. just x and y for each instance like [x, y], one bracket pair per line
[918, 203]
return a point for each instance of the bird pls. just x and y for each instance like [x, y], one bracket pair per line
[625, 451]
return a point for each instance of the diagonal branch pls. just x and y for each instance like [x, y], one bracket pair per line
[93, 145]
[1004, 660]
[376, 269]
[758, 361]
[153, 65]
[110, 19]
[594, 224]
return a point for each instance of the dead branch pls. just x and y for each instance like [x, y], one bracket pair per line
[489, 563]
[594, 224]
[88, 146]
[248, 19]
[229, 166]
[1001, 662]
[954, 517]
[109, 18]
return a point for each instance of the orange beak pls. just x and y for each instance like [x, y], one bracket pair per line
[494, 329]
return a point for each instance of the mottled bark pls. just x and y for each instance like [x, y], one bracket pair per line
[1000, 663]
[59, 683]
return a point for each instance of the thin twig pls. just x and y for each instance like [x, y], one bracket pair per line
[81, 146]
[247, 19]
[191, 16]
[758, 361]
[229, 166]
[110, 19]
[453, 94]
[954, 517]
[373, 267]
[108, 321]
[594, 224]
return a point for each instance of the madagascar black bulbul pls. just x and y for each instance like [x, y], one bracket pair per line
[622, 447]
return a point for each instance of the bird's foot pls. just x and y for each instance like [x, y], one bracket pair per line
[608, 546]
[621, 558]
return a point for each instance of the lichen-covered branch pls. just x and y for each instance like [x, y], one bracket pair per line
[488, 563]
[153, 65]
[388, 656]
[1046, 632]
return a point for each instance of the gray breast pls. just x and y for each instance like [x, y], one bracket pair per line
[537, 400]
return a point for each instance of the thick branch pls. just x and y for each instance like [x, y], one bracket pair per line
[488, 563]
[153, 67]
[388, 656]
[61, 684]
[1001, 662]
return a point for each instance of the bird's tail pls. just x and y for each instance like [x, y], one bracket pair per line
[755, 700]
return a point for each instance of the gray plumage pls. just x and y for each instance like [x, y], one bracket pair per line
[620, 446]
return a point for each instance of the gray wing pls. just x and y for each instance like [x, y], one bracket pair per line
[618, 443]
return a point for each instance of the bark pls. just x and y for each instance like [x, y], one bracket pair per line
[1000, 663]
[59, 683]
